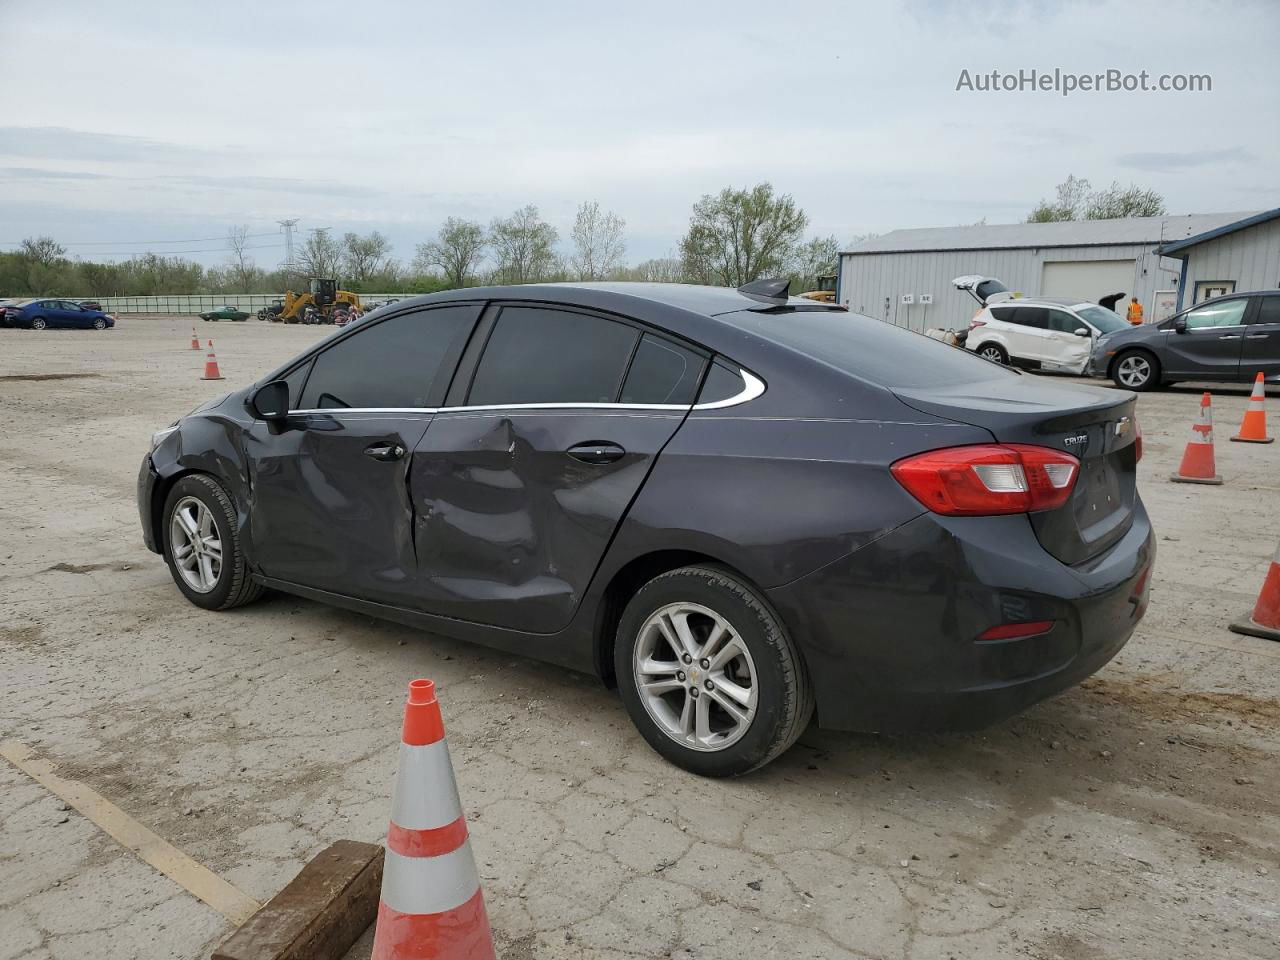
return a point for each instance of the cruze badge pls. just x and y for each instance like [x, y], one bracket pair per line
[1079, 438]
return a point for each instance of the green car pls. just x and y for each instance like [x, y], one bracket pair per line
[225, 312]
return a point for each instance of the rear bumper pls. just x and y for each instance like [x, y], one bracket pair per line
[147, 480]
[889, 633]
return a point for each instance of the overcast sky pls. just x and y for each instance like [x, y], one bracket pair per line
[139, 121]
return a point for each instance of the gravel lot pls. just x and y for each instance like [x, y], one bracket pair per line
[1134, 817]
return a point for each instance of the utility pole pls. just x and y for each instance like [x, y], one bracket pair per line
[290, 265]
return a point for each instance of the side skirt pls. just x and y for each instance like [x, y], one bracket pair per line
[558, 648]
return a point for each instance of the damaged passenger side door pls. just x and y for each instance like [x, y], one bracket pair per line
[331, 507]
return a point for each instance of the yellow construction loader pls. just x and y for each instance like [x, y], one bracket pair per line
[322, 296]
[826, 292]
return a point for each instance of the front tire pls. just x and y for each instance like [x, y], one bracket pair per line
[993, 352]
[708, 674]
[1136, 370]
[99, 323]
[201, 541]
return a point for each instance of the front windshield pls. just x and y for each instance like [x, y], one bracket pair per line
[1106, 321]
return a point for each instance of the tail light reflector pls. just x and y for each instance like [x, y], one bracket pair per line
[1016, 631]
[989, 479]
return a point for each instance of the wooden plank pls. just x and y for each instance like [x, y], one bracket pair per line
[199, 880]
[320, 914]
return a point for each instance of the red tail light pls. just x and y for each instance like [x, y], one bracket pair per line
[986, 480]
[973, 324]
[1137, 440]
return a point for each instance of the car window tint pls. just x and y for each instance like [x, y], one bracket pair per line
[722, 383]
[869, 349]
[662, 372]
[537, 355]
[1036, 317]
[1268, 310]
[1226, 313]
[1003, 314]
[296, 378]
[405, 361]
[1107, 321]
[1062, 322]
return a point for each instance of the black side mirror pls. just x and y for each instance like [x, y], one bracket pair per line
[1180, 325]
[270, 401]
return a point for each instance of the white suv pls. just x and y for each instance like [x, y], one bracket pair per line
[1037, 333]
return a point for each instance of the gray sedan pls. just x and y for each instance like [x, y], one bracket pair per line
[1228, 339]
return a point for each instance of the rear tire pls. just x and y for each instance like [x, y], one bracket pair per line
[692, 711]
[38, 323]
[1136, 370]
[196, 494]
[993, 352]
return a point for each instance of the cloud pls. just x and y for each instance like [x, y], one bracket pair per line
[64, 143]
[1157, 162]
[32, 173]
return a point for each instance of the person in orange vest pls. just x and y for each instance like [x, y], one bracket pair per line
[1135, 312]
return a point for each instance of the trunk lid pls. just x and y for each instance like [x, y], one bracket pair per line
[1094, 424]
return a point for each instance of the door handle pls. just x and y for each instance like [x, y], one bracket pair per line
[1230, 336]
[1257, 336]
[385, 451]
[596, 451]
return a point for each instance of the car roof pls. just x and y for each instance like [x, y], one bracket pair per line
[1043, 301]
[708, 301]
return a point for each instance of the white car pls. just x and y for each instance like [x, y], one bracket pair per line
[1035, 333]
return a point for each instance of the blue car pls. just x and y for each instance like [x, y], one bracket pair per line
[46, 314]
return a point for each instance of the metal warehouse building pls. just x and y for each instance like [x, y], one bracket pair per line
[1168, 262]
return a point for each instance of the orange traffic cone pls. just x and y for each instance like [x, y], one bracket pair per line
[432, 905]
[211, 371]
[1265, 621]
[1197, 460]
[195, 341]
[1254, 427]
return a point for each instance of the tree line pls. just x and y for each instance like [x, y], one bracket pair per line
[734, 236]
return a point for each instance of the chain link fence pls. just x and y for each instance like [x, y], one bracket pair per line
[200, 303]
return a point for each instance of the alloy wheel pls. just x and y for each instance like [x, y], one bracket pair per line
[196, 545]
[695, 676]
[1134, 370]
[993, 354]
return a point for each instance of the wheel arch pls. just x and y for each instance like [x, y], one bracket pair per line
[633, 575]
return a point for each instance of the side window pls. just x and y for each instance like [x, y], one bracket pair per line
[295, 380]
[1224, 313]
[722, 383]
[405, 361]
[539, 355]
[662, 372]
[1034, 317]
[1004, 315]
[1268, 310]
[1062, 322]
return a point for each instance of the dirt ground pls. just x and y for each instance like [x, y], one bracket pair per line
[1133, 817]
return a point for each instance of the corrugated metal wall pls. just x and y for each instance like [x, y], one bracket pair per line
[1250, 257]
[873, 284]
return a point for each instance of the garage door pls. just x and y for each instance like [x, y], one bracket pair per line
[1087, 279]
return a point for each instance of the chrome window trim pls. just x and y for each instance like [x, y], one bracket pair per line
[753, 387]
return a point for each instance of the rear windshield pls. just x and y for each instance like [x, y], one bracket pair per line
[1106, 321]
[869, 349]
